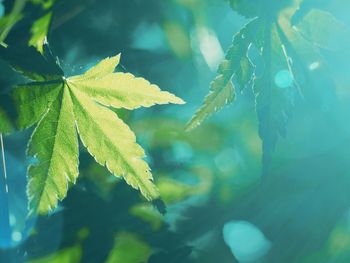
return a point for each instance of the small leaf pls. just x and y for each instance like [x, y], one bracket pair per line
[39, 31]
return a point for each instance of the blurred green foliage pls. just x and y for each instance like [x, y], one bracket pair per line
[206, 177]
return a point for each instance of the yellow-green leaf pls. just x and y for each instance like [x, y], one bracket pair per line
[66, 255]
[67, 107]
[129, 248]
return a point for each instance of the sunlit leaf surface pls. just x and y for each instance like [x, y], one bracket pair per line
[65, 108]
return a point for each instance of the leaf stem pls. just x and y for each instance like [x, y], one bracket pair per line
[4, 162]
[4, 201]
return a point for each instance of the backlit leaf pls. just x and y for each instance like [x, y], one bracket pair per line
[235, 65]
[64, 108]
[287, 53]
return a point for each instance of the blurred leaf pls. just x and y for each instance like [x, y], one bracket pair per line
[45, 4]
[100, 177]
[336, 249]
[39, 31]
[67, 255]
[339, 243]
[179, 254]
[163, 132]
[324, 30]
[172, 191]
[128, 248]
[286, 56]
[60, 105]
[8, 21]
[149, 214]
[178, 40]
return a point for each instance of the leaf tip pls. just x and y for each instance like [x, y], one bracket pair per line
[178, 100]
[117, 58]
[160, 206]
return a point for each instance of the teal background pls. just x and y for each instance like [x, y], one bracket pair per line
[219, 207]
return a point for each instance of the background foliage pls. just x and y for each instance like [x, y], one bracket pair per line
[219, 206]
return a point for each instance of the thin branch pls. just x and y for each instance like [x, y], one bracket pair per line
[4, 162]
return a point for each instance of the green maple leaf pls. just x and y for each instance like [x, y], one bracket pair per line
[236, 65]
[288, 52]
[64, 108]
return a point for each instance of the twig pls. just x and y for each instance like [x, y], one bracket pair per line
[4, 162]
